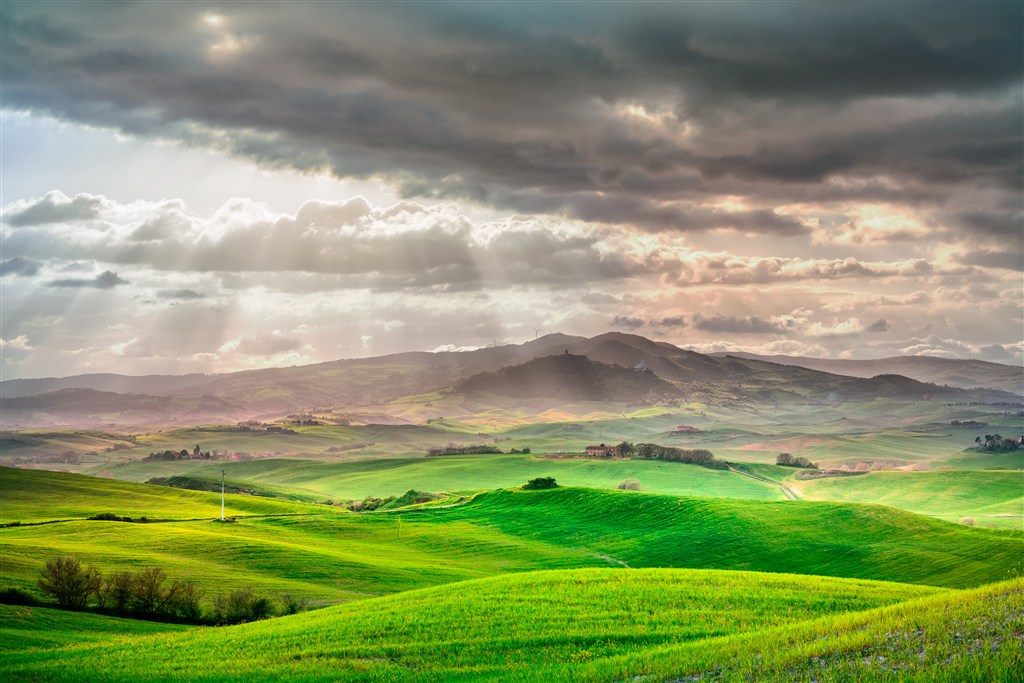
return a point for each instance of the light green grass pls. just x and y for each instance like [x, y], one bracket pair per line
[356, 480]
[22, 628]
[947, 494]
[949, 638]
[834, 539]
[37, 495]
[494, 629]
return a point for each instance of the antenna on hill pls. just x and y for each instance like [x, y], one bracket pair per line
[222, 495]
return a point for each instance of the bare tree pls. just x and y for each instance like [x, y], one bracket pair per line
[69, 582]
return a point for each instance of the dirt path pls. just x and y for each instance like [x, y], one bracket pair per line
[785, 489]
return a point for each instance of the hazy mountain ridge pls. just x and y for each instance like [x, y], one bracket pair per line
[963, 374]
[618, 367]
[573, 378]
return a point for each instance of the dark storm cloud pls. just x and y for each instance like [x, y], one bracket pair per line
[105, 280]
[880, 325]
[1009, 260]
[19, 266]
[615, 113]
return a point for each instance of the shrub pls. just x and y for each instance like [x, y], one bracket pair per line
[969, 521]
[109, 517]
[117, 592]
[540, 483]
[241, 605]
[69, 582]
[15, 596]
[293, 604]
[629, 485]
[185, 601]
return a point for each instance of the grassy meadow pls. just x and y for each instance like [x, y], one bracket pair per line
[500, 628]
[703, 575]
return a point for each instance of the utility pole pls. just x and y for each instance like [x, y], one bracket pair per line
[222, 495]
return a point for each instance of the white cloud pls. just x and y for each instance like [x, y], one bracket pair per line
[19, 343]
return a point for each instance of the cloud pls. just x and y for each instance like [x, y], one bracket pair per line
[19, 266]
[55, 207]
[671, 321]
[180, 294]
[105, 280]
[990, 258]
[727, 324]
[618, 114]
[264, 344]
[627, 322]
[19, 343]
[880, 325]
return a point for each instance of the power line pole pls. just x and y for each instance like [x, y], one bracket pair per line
[222, 495]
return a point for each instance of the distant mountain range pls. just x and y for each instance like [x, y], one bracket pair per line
[964, 374]
[612, 367]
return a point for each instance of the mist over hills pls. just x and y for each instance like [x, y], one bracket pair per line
[612, 367]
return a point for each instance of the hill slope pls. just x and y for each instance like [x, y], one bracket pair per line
[499, 628]
[572, 378]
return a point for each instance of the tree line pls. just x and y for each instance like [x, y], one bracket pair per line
[787, 460]
[150, 594]
[996, 442]
[653, 451]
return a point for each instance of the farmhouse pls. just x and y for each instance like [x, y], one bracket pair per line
[603, 450]
[684, 429]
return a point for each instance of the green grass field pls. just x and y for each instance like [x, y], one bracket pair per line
[23, 628]
[948, 494]
[333, 557]
[37, 496]
[385, 477]
[492, 629]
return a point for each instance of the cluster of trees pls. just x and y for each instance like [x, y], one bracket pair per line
[970, 424]
[995, 442]
[183, 454]
[150, 594]
[653, 451]
[466, 450]
[787, 460]
[629, 485]
[540, 483]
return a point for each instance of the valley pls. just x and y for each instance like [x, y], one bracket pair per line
[420, 565]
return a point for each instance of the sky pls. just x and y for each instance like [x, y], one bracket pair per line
[209, 187]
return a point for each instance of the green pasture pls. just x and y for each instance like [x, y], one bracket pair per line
[960, 636]
[37, 496]
[502, 628]
[947, 494]
[22, 628]
[386, 477]
[334, 556]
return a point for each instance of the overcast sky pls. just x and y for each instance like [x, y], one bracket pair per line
[218, 186]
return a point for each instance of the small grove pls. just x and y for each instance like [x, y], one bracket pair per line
[149, 594]
[653, 451]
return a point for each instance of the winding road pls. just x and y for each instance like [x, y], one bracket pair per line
[785, 489]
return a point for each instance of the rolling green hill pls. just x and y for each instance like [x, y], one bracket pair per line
[385, 477]
[493, 629]
[947, 494]
[334, 556]
[38, 496]
[833, 539]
